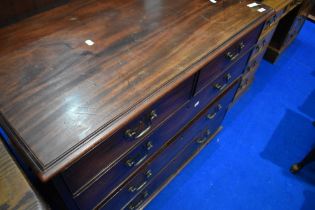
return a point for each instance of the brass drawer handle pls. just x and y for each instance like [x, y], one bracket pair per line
[211, 116]
[137, 205]
[220, 87]
[202, 140]
[252, 67]
[135, 161]
[234, 55]
[141, 186]
[137, 132]
[205, 137]
[258, 48]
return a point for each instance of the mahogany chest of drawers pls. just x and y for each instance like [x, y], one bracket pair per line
[107, 100]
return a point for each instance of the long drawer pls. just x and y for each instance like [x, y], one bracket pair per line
[81, 173]
[228, 57]
[202, 128]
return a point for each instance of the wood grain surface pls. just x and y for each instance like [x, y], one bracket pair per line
[15, 191]
[61, 97]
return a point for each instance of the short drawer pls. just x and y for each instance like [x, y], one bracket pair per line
[249, 74]
[201, 130]
[254, 62]
[295, 29]
[113, 149]
[262, 43]
[217, 86]
[228, 57]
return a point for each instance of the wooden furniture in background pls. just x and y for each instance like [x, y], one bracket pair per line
[108, 100]
[290, 19]
[15, 191]
[14, 10]
[280, 30]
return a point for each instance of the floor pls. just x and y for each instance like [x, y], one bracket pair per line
[268, 129]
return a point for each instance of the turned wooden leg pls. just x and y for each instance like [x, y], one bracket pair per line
[310, 157]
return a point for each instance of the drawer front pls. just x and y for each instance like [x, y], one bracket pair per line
[221, 83]
[221, 63]
[111, 150]
[250, 71]
[201, 130]
[295, 29]
[262, 43]
[253, 64]
[297, 25]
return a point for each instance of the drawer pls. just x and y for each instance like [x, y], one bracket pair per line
[262, 43]
[113, 178]
[81, 173]
[217, 86]
[254, 62]
[245, 83]
[297, 25]
[201, 130]
[228, 57]
[295, 29]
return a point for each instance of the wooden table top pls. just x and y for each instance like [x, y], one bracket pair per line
[15, 192]
[60, 97]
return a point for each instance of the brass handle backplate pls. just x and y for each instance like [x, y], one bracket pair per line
[144, 126]
[139, 203]
[205, 137]
[212, 116]
[148, 175]
[234, 55]
[221, 87]
[140, 158]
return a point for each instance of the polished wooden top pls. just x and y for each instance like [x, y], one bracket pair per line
[15, 192]
[60, 97]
